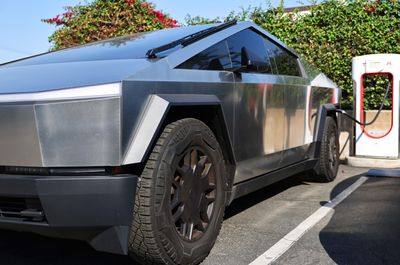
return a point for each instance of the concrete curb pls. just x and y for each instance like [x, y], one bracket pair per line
[373, 162]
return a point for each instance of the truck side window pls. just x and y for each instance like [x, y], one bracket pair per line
[253, 43]
[286, 62]
[214, 58]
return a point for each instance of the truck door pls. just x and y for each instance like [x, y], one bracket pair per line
[271, 105]
[293, 86]
[259, 107]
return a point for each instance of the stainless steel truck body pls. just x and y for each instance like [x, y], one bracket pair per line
[79, 127]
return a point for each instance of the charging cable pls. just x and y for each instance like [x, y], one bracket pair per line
[344, 113]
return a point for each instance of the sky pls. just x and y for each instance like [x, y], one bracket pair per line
[22, 33]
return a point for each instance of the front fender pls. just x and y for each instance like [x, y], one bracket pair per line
[155, 116]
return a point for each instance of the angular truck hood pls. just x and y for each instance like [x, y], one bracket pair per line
[45, 77]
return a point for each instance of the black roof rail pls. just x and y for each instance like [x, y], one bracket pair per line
[152, 53]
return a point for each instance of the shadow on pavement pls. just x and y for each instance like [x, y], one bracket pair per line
[30, 249]
[365, 227]
[245, 202]
[18, 248]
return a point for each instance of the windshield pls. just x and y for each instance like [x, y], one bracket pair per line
[127, 47]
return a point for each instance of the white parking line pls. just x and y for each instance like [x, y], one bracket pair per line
[293, 236]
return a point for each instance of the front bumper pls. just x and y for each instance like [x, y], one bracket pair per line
[97, 209]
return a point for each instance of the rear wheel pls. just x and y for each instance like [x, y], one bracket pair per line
[329, 156]
[181, 198]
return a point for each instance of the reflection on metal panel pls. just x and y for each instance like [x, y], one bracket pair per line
[318, 97]
[146, 129]
[258, 116]
[295, 125]
[274, 125]
[135, 96]
[270, 110]
[80, 133]
[295, 116]
[19, 144]
[309, 134]
[91, 92]
[276, 110]
[256, 166]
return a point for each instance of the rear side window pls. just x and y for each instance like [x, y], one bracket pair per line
[214, 58]
[254, 44]
[286, 63]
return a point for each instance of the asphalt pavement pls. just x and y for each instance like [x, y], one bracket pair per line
[363, 229]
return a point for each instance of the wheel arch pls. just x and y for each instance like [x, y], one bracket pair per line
[325, 110]
[162, 110]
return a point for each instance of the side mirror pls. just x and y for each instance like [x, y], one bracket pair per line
[246, 62]
[252, 63]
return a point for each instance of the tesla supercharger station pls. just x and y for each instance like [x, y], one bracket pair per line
[380, 139]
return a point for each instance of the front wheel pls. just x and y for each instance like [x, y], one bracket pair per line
[181, 198]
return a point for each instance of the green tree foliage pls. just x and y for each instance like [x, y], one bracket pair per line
[333, 33]
[198, 20]
[102, 19]
[243, 14]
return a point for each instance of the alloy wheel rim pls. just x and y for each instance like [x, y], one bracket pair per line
[333, 158]
[193, 194]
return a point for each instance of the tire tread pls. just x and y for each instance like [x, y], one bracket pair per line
[143, 244]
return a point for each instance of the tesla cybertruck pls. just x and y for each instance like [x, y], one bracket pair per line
[136, 144]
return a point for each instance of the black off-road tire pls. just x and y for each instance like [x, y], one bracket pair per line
[328, 164]
[185, 168]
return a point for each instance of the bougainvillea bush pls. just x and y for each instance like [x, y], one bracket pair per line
[102, 19]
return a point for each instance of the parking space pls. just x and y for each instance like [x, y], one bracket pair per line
[256, 222]
[362, 229]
